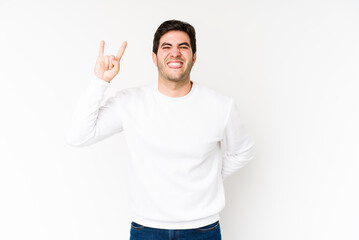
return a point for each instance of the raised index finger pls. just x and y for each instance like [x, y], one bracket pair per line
[102, 48]
[121, 50]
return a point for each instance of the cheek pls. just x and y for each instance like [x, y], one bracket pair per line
[162, 59]
[187, 55]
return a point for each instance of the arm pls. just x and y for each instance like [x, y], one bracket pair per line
[91, 122]
[238, 147]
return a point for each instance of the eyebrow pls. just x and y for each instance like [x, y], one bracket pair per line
[169, 44]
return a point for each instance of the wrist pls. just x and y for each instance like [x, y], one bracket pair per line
[101, 80]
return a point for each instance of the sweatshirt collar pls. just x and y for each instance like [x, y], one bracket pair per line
[175, 99]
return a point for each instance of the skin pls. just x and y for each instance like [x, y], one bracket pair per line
[174, 61]
[108, 66]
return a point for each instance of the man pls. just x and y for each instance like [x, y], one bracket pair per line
[175, 130]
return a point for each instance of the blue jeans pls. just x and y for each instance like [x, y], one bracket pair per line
[209, 232]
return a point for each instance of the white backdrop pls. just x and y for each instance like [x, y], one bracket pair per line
[292, 67]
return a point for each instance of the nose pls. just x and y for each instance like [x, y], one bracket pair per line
[175, 52]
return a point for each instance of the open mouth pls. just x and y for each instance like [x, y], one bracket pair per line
[174, 64]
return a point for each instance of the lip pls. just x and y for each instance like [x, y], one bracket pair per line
[175, 64]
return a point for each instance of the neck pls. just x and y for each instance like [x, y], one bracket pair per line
[173, 88]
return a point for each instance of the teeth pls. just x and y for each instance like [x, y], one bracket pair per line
[175, 64]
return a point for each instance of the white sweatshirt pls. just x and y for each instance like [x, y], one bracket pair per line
[177, 166]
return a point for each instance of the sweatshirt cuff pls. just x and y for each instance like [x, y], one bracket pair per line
[100, 81]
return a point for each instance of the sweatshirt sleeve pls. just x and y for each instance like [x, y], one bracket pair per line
[92, 122]
[238, 146]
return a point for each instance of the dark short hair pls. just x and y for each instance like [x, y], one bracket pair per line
[174, 25]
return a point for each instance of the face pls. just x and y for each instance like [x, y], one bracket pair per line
[174, 58]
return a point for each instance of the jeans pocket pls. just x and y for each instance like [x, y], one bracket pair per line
[209, 227]
[135, 225]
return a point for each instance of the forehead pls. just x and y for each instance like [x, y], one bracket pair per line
[175, 37]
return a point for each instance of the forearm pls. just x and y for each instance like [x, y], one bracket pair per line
[84, 128]
[232, 162]
[237, 145]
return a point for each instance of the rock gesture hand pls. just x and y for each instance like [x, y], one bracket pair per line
[107, 66]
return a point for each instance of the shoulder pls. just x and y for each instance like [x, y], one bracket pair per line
[213, 95]
[214, 101]
[134, 92]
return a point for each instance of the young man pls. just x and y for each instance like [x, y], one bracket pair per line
[175, 129]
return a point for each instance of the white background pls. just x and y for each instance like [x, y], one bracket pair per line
[292, 67]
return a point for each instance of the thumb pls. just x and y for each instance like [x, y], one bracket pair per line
[116, 61]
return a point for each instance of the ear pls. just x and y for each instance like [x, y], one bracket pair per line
[194, 58]
[154, 58]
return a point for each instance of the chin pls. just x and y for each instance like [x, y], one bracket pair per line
[178, 76]
[175, 79]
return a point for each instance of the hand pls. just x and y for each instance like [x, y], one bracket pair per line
[107, 67]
